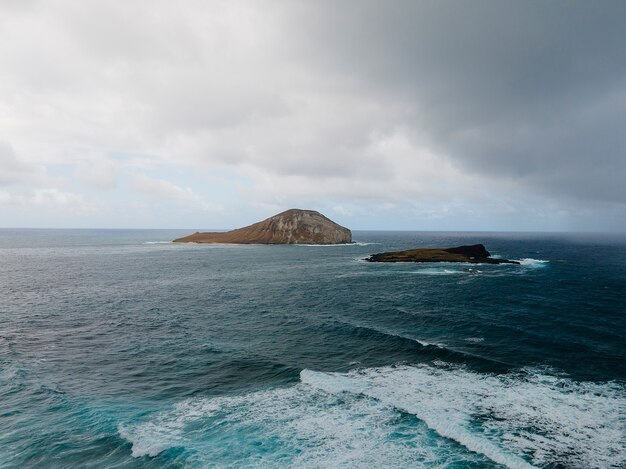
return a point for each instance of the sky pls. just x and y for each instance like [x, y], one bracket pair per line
[385, 115]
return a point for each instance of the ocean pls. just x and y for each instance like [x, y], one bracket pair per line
[119, 349]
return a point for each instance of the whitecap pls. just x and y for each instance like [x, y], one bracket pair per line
[437, 271]
[149, 440]
[517, 420]
[535, 263]
[474, 340]
[424, 343]
[296, 427]
[358, 419]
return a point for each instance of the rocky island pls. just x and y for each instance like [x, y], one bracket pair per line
[293, 226]
[475, 254]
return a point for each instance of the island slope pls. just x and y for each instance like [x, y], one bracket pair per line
[293, 226]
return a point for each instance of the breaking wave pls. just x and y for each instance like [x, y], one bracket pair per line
[400, 416]
[529, 262]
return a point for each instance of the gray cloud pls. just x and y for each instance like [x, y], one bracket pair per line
[529, 90]
[495, 103]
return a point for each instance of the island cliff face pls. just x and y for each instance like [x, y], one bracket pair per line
[293, 226]
[475, 254]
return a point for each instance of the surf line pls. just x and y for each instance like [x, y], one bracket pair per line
[335, 383]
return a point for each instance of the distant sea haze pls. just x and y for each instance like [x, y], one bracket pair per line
[119, 348]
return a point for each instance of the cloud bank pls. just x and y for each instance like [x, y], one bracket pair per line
[409, 115]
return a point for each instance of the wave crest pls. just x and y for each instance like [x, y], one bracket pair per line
[396, 416]
[530, 262]
[516, 419]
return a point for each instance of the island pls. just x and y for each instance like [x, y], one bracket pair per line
[293, 226]
[474, 254]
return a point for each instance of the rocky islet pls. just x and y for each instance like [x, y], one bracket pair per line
[293, 226]
[474, 254]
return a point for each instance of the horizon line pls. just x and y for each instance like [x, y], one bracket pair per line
[607, 232]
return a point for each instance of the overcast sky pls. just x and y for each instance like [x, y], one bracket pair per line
[424, 115]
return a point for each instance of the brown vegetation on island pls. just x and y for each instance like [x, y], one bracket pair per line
[293, 226]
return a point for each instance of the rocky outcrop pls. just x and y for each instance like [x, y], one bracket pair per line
[290, 227]
[475, 254]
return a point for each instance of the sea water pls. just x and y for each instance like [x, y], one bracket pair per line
[121, 349]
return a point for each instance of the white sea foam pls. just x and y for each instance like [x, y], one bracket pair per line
[427, 271]
[356, 419]
[427, 344]
[299, 426]
[438, 271]
[512, 419]
[529, 262]
[474, 340]
[400, 270]
[423, 343]
[150, 439]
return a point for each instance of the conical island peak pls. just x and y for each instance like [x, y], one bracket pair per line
[294, 226]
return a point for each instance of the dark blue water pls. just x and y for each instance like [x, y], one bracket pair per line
[118, 349]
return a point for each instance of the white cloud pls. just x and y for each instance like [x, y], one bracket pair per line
[5, 197]
[165, 190]
[15, 170]
[55, 199]
[341, 210]
[96, 172]
[50, 199]
[308, 104]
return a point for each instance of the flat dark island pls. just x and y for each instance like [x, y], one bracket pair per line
[474, 254]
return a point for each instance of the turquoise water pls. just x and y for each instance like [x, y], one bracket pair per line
[120, 349]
